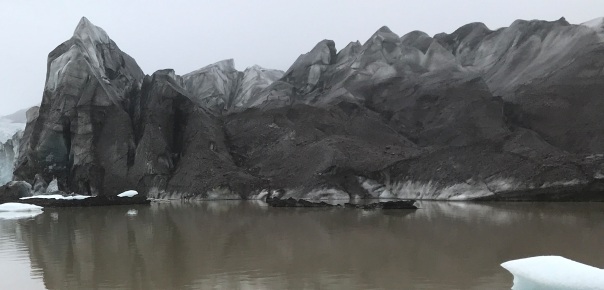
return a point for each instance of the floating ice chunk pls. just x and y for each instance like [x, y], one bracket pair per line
[15, 206]
[14, 210]
[554, 273]
[58, 196]
[129, 193]
[16, 215]
[132, 212]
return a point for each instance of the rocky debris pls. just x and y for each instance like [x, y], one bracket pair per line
[13, 190]
[291, 202]
[90, 201]
[180, 148]
[394, 204]
[315, 152]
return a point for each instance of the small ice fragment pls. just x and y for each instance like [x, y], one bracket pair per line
[554, 273]
[129, 193]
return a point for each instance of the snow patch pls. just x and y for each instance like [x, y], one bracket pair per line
[58, 196]
[17, 207]
[128, 193]
[261, 195]
[561, 183]
[553, 273]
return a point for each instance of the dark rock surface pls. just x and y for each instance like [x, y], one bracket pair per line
[476, 114]
[394, 204]
[13, 190]
[91, 201]
[180, 148]
[292, 202]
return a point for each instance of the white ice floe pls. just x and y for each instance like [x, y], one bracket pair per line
[16, 215]
[14, 210]
[58, 196]
[554, 273]
[17, 207]
[129, 193]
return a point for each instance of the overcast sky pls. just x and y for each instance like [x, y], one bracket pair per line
[187, 35]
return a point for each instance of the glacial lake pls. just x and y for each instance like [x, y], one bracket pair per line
[247, 245]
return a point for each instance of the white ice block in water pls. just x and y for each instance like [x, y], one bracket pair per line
[554, 273]
[58, 196]
[17, 207]
[129, 193]
[17, 215]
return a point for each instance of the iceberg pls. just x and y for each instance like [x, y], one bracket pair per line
[128, 193]
[554, 273]
[16, 207]
[16, 215]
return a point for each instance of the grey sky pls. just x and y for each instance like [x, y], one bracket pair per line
[186, 35]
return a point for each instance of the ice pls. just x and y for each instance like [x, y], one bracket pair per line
[129, 193]
[16, 215]
[594, 23]
[554, 273]
[8, 128]
[58, 196]
[18, 207]
[132, 212]
[14, 210]
[53, 186]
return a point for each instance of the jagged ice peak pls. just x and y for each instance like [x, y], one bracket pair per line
[88, 31]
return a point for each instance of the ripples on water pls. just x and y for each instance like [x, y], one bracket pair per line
[246, 245]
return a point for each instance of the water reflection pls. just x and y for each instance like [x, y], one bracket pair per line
[244, 245]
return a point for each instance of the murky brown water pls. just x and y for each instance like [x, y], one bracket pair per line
[246, 245]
